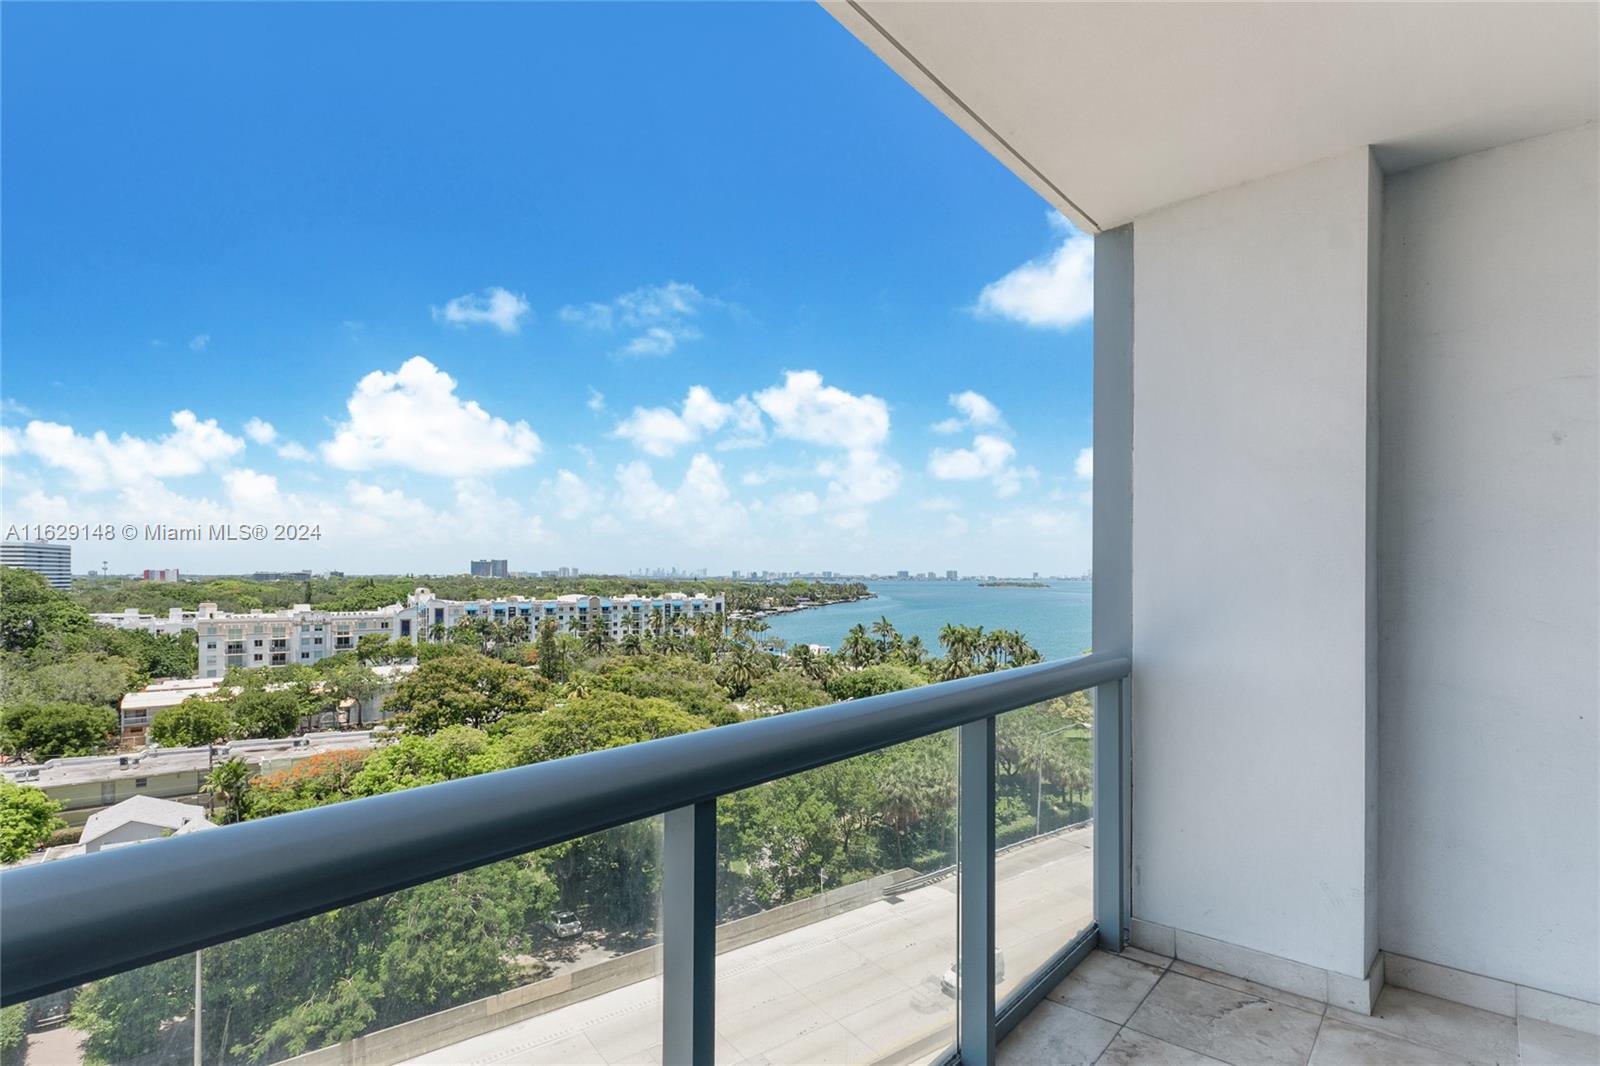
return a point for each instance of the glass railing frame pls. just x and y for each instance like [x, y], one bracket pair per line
[92, 916]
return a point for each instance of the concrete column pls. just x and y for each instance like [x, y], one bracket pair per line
[1254, 447]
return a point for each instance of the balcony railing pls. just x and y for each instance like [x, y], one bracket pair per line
[69, 922]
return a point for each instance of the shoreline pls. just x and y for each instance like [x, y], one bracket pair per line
[767, 612]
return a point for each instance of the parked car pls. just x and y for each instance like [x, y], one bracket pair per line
[564, 924]
[948, 982]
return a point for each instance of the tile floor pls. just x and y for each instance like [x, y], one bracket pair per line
[1139, 1008]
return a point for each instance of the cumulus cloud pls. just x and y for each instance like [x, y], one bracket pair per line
[988, 456]
[98, 462]
[297, 453]
[661, 431]
[659, 316]
[596, 401]
[574, 497]
[1083, 466]
[805, 409]
[1055, 292]
[413, 418]
[200, 342]
[260, 431]
[700, 511]
[494, 306]
[972, 409]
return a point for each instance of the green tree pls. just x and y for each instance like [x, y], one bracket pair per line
[471, 690]
[874, 681]
[27, 818]
[263, 713]
[602, 720]
[229, 782]
[40, 731]
[89, 678]
[31, 611]
[197, 721]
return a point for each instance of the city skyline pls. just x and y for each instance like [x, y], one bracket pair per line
[438, 324]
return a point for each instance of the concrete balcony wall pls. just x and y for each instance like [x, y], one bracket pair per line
[1490, 736]
[1253, 537]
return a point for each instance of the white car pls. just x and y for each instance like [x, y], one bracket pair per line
[948, 982]
[564, 924]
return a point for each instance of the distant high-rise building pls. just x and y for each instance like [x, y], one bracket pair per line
[168, 574]
[902, 573]
[951, 575]
[53, 562]
[490, 568]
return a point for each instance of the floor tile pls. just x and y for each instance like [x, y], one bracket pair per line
[1054, 1035]
[1239, 984]
[1339, 1044]
[1138, 1049]
[1546, 1044]
[1476, 1035]
[1107, 986]
[1149, 958]
[1225, 1024]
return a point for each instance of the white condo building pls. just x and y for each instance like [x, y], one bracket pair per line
[302, 635]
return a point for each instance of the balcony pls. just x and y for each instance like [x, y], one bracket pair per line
[935, 955]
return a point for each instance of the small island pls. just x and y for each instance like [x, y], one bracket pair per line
[1013, 585]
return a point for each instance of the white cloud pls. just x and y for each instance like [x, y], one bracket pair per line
[974, 409]
[662, 315]
[805, 409]
[1083, 466]
[1056, 292]
[797, 504]
[199, 342]
[989, 458]
[661, 431]
[700, 511]
[413, 418]
[596, 401]
[497, 307]
[297, 453]
[573, 496]
[260, 431]
[98, 462]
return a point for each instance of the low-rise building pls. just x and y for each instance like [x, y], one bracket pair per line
[138, 709]
[89, 784]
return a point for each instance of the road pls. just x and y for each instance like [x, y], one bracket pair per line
[862, 986]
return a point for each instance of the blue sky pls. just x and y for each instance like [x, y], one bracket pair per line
[607, 285]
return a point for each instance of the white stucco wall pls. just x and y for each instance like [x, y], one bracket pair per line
[1253, 743]
[1488, 538]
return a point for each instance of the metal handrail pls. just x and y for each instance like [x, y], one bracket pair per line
[67, 922]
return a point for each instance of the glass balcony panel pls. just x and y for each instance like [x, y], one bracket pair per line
[1044, 836]
[550, 957]
[837, 911]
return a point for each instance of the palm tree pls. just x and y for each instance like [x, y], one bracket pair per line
[913, 651]
[229, 782]
[889, 639]
[858, 648]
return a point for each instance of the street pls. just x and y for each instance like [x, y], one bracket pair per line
[862, 986]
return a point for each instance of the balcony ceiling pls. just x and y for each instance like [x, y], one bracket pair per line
[1111, 110]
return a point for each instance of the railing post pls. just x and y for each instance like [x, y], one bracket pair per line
[689, 935]
[975, 897]
[1113, 813]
